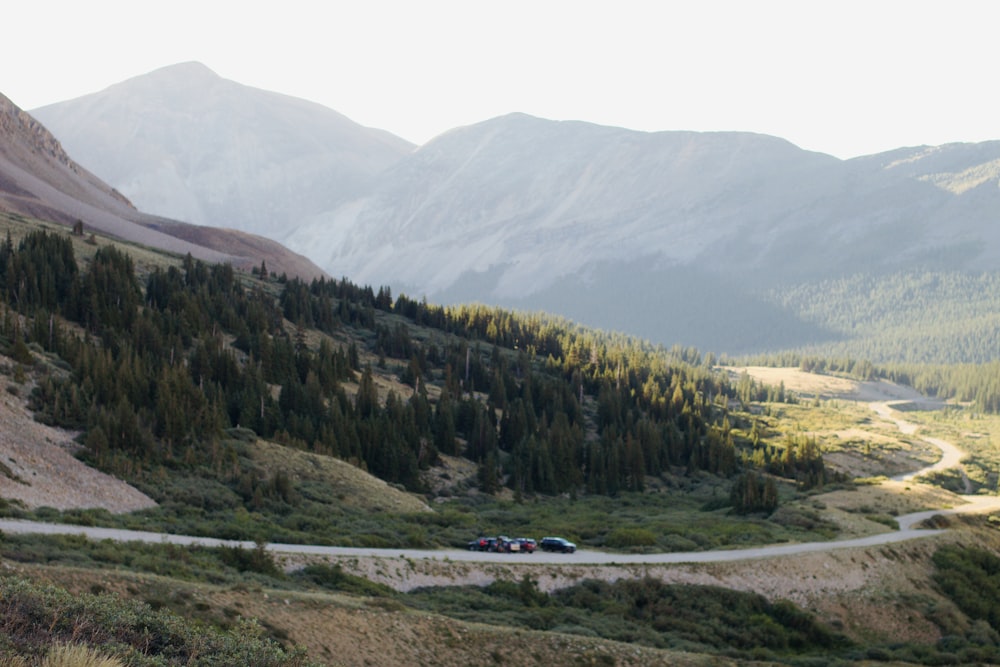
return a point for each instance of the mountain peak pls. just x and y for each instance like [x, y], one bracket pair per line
[185, 71]
[209, 134]
[172, 80]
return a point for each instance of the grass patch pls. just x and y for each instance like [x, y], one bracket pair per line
[679, 513]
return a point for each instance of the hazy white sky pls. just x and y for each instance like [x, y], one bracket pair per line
[845, 77]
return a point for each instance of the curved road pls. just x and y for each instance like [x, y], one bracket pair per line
[951, 456]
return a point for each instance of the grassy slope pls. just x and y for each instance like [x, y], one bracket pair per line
[354, 487]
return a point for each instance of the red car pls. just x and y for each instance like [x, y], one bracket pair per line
[483, 544]
[528, 545]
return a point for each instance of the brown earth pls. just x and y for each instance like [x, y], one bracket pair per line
[37, 466]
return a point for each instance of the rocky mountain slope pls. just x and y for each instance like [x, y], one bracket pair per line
[39, 179]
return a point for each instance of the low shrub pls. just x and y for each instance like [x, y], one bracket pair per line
[625, 538]
[333, 577]
[257, 560]
[34, 618]
[971, 578]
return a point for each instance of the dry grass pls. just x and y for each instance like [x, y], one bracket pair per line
[353, 486]
[70, 655]
[837, 412]
[146, 259]
[827, 386]
[855, 511]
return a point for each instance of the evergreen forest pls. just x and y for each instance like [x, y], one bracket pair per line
[155, 370]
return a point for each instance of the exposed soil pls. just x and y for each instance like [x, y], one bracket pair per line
[38, 469]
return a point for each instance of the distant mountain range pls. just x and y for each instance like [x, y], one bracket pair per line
[673, 236]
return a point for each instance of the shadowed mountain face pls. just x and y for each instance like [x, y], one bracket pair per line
[39, 180]
[668, 235]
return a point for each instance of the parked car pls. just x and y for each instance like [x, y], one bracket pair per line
[557, 544]
[527, 544]
[506, 545]
[483, 544]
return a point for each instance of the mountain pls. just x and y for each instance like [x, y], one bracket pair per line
[674, 236]
[534, 201]
[184, 143]
[679, 237]
[38, 179]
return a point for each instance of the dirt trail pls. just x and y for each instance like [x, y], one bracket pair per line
[951, 456]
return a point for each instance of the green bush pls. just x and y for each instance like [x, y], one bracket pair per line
[257, 560]
[624, 538]
[702, 619]
[971, 578]
[333, 577]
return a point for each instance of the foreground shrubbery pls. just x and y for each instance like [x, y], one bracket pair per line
[713, 620]
[971, 578]
[34, 618]
[646, 611]
[700, 619]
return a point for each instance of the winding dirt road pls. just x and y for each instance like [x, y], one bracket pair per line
[951, 456]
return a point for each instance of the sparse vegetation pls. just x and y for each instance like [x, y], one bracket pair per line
[35, 618]
[700, 619]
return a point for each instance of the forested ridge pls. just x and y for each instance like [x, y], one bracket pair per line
[155, 370]
[911, 317]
